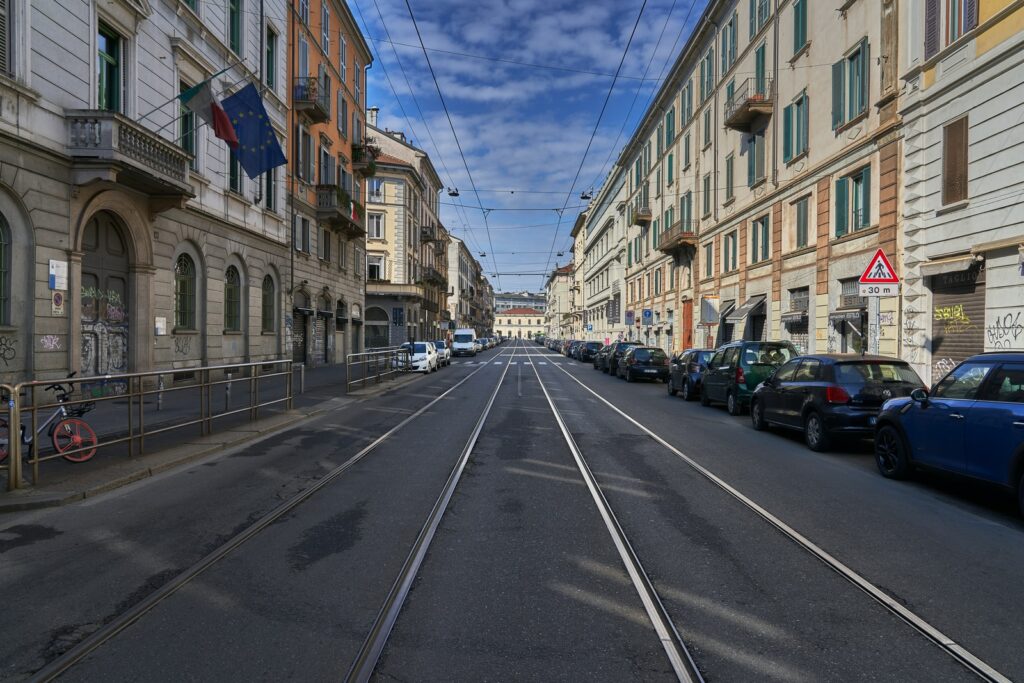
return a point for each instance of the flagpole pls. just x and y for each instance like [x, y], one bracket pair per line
[164, 104]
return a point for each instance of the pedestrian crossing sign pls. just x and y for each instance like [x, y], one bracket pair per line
[879, 271]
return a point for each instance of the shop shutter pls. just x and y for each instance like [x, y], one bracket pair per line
[958, 318]
[931, 28]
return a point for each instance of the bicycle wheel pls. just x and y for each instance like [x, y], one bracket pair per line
[72, 434]
[5, 440]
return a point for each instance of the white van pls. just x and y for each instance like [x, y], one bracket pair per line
[463, 343]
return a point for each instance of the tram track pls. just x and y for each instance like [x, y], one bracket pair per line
[125, 619]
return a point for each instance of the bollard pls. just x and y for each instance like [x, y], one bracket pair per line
[302, 378]
[227, 392]
[13, 440]
[159, 392]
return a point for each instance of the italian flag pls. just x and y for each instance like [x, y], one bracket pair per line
[200, 99]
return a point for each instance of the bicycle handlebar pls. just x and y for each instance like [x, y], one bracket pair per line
[60, 387]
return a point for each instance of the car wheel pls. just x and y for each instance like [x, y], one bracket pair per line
[814, 432]
[732, 403]
[1020, 494]
[672, 391]
[757, 416]
[891, 454]
[687, 394]
[629, 376]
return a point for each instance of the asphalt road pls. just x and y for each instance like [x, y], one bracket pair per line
[522, 580]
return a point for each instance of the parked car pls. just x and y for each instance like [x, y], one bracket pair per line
[601, 354]
[444, 354]
[464, 342]
[646, 362]
[971, 424]
[686, 370]
[570, 348]
[422, 356]
[588, 350]
[738, 367]
[611, 359]
[829, 395]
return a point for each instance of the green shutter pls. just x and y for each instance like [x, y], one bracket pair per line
[865, 80]
[842, 206]
[629, 254]
[865, 197]
[671, 168]
[787, 133]
[805, 121]
[838, 89]
[751, 153]
[753, 18]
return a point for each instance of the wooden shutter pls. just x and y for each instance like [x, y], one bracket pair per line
[753, 18]
[838, 90]
[842, 206]
[5, 31]
[865, 74]
[970, 14]
[931, 28]
[787, 133]
[954, 161]
[751, 153]
[865, 198]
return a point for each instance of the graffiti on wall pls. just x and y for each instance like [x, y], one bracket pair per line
[953, 318]
[941, 366]
[50, 342]
[8, 349]
[1005, 332]
[911, 347]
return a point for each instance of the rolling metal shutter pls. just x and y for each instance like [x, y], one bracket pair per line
[958, 318]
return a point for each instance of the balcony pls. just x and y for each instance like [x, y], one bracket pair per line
[335, 207]
[364, 158]
[394, 289]
[428, 233]
[107, 146]
[643, 216]
[432, 276]
[310, 100]
[751, 99]
[680, 234]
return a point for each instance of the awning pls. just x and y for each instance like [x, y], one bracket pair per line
[726, 310]
[749, 307]
[852, 315]
[951, 264]
[794, 316]
[303, 311]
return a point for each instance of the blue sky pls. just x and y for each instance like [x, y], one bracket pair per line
[521, 128]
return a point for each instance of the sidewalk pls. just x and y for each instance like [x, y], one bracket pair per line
[62, 482]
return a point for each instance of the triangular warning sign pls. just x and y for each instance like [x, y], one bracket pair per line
[879, 271]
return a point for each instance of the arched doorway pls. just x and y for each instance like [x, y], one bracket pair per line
[105, 305]
[377, 322]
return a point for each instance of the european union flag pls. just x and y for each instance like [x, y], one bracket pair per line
[258, 149]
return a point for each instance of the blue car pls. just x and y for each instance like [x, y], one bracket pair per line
[970, 424]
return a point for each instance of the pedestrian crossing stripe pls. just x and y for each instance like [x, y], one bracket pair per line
[541, 363]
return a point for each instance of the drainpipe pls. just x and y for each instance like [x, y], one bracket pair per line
[775, 90]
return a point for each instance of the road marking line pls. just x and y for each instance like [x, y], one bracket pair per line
[540, 362]
[497, 362]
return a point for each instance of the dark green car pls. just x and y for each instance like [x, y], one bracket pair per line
[738, 367]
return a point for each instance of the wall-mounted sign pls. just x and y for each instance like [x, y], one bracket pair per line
[160, 326]
[57, 303]
[58, 274]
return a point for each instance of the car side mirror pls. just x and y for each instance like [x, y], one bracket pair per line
[919, 396]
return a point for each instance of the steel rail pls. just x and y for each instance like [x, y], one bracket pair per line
[81, 650]
[363, 666]
[943, 641]
[678, 654]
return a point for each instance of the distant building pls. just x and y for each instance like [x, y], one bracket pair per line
[506, 300]
[519, 323]
[559, 295]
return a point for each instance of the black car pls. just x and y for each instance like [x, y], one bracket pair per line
[601, 356]
[610, 362]
[686, 370]
[587, 351]
[827, 395]
[643, 362]
[738, 367]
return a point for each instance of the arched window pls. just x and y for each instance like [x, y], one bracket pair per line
[232, 300]
[269, 304]
[5, 273]
[185, 293]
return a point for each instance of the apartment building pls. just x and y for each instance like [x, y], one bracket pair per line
[963, 233]
[763, 178]
[578, 313]
[163, 254]
[519, 323]
[604, 259]
[506, 300]
[406, 245]
[558, 292]
[470, 296]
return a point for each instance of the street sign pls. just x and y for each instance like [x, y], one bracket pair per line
[590, 327]
[630, 317]
[879, 278]
[648, 316]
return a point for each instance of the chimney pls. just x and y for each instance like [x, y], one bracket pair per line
[371, 116]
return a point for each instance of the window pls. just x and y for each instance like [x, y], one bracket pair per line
[799, 25]
[809, 370]
[325, 27]
[324, 245]
[270, 65]
[5, 272]
[657, 282]
[234, 172]
[850, 86]
[375, 226]
[342, 252]
[671, 168]
[730, 252]
[629, 254]
[686, 151]
[342, 113]
[729, 35]
[357, 79]
[300, 234]
[755, 158]
[760, 11]
[108, 64]
[686, 211]
[304, 154]
[963, 382]
[376, 190]
[6, 38]
[304, 11]
[802, 210]
[960, 17]
[1006, 385]
[670, 126]
[759, 239]
[185, 293]
[853, 202]
[687, 104]
[954, 161]
[660, 135]
[707, 75]
[343, 59]
[374, 267]
[730, 162]
[232, 300]
[270, 189]
[655, 232]
[706, 195]
[795, 123]
[707, 126]
[235, 26]
[186, 130]
[786, 372]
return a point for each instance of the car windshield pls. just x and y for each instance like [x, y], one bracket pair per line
[463, 338]
[649, 354]
[439, 344]
[767, 354]
[419, 347]
[863, 372]
[593, 346]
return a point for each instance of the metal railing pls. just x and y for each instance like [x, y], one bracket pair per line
[374, 366]
[755, 90]
[29, 405]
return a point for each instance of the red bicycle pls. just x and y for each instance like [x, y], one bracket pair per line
[72, 436]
